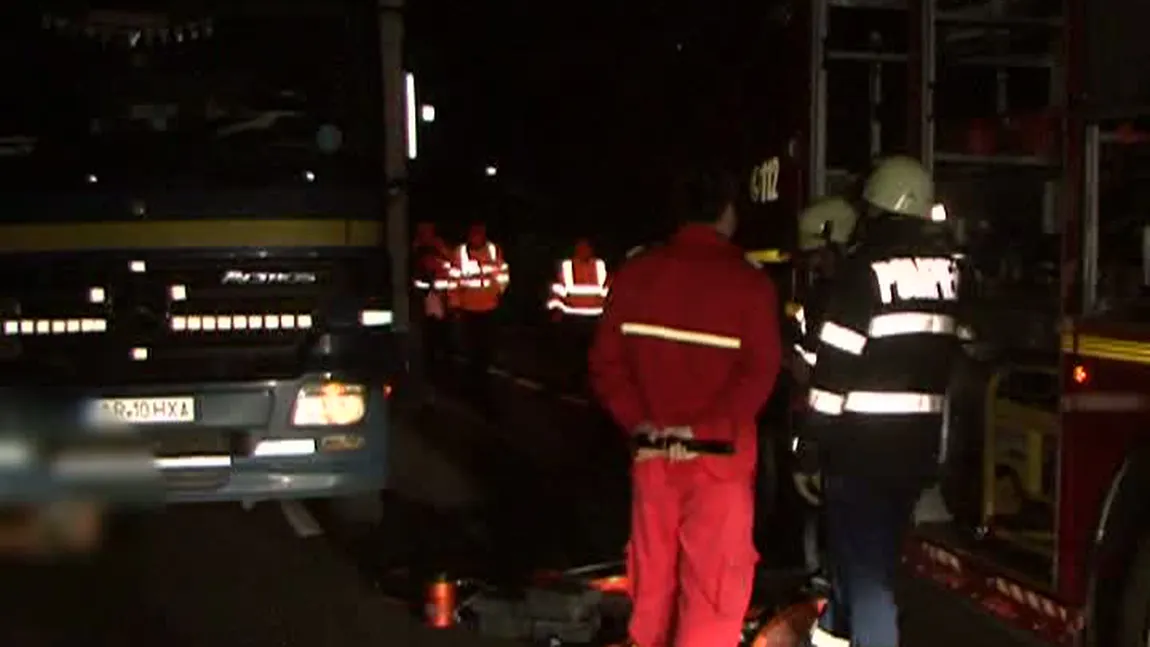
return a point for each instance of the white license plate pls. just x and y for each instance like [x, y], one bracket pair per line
[144, 411]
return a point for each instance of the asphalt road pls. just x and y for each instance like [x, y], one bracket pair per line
[209, 575]
[538, 483]
[470, 498]
[219, 575]
[538, 405]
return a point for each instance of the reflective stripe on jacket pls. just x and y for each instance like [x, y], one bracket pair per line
[479, 277]
[887, 343]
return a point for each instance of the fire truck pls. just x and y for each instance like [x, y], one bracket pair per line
[1031, 117]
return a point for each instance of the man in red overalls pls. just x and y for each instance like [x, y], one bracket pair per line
[686, 354]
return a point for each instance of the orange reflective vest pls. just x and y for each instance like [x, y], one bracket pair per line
[433, 269]
[581, 288]
[432, 280]
[479, 278]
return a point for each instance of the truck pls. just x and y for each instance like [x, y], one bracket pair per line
[195, 240]
[1044, 453]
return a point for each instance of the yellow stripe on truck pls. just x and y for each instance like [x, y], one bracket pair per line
[1118, 350]
[190, 234]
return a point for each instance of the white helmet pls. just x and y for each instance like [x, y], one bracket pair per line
[900, 185]
[835, 214]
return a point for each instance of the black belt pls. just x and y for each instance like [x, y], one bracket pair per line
[665, 443]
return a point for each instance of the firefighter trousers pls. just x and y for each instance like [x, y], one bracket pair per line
[865, 526]
[691, 560]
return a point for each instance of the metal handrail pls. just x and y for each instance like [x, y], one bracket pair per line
[992, 409]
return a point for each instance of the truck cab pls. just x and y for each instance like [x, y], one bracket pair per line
[193, 245]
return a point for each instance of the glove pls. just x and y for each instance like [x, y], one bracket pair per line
[809, 487]
[807, 479]
[675, 452]
[648, 430]
[800, 369]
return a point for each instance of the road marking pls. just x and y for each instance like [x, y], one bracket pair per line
[574, 399]
[526, 383]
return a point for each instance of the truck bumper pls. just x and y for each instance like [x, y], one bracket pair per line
[239, 444]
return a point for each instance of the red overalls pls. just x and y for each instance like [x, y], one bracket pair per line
[690, 337]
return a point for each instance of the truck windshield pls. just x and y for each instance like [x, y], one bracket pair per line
[229, 100]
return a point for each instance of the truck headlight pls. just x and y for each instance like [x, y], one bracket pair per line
[329, 404]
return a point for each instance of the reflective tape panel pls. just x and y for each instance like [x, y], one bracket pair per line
[679, 335]
[874, 402]
[556, 304]
[570, 288]
[842, 338]
[894, 402]
[26, 327]
[808, 357]
[470, 267]
[911, 323]
[928, 279]
[825, 402]
[800, 316]
[210, 322]
[821, 638]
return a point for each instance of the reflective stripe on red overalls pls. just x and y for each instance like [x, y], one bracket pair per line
[690, 338]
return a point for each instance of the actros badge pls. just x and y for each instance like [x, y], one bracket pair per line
[240, 277]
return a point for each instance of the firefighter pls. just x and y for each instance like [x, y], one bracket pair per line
[432, 281]
[886, 343]
[576, 302]
[686, 354]
[480, 275]
[824, 228]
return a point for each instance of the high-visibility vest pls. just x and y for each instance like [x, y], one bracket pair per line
[432, 270]
[581, 288]
[479, 278]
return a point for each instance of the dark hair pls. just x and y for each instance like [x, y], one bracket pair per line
[702, 195]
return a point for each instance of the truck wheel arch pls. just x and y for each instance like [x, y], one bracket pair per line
[1123, 521]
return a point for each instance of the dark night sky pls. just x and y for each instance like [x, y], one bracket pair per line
[586, 108]
[581, 105]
